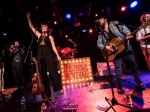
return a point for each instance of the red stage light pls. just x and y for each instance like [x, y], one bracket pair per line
[90, 30]
[123, 8]
[55, 22]
[66, 36]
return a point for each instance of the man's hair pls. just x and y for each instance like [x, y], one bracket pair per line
[142, 17]
[17, 41]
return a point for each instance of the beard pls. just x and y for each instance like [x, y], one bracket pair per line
[102, 25]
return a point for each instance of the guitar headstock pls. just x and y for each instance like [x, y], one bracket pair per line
[145, 24]
[34, 60]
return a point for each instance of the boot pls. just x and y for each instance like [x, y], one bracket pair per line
[139, 82]
[120, 90]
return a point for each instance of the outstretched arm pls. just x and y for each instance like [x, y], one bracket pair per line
[54, 47]
[32, 27]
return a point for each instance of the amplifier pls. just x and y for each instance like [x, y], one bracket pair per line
[102, 68]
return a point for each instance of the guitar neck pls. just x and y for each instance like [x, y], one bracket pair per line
[132, 33]
[37, 70]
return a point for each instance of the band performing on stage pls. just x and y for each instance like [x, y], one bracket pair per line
[56, 66]
[48, 53]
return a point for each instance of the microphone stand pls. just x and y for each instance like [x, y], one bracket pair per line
[29, 49]
[113, 100]
[75, 45]
[29, 52]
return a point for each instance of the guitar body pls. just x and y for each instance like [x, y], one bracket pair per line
[37, 88]
[112, 55]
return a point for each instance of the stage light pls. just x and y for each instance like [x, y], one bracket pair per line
[4, 34]
[68, 16]
[96, 15]
[123, 8]
[133, 4]
[66, 36]
[80, 14]
[90, 30]
[55, 22]
[84, 30]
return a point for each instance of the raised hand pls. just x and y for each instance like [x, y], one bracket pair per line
[28, 14]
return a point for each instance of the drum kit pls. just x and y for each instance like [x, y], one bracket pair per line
[68, 53]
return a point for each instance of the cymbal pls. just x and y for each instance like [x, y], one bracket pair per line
[66, 50]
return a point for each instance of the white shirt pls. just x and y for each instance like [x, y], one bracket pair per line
[142, 33]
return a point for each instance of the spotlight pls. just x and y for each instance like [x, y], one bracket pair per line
[55, 22]
[123, 8]
[84, 30]
[68, 16]
[90, 30]
[96, 15]
[66, 36]
[133, 4]
[4, 34]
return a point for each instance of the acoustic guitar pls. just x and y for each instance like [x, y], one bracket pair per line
[38, 87]
[117, 44]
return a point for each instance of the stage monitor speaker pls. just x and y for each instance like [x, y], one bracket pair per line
[103, 69]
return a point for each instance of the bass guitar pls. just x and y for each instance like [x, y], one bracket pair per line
[38, 87]
[117, 44]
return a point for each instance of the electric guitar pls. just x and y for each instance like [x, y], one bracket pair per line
[117, 44]
[38, 87]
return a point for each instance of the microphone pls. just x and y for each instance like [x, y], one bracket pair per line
[72, 42]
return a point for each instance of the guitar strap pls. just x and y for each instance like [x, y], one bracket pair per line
[125, 43]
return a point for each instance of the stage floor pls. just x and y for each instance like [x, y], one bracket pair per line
[86, 95]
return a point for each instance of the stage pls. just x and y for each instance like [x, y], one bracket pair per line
[86, 95]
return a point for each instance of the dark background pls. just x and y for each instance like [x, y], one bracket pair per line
[14, 24]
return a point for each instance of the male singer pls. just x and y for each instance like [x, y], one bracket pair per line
[17, 54]
[112, 31]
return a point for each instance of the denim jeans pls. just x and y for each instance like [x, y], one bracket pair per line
[129, 56]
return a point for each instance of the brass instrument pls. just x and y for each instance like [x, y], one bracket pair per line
[11, 48]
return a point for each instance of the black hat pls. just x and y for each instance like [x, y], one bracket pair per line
[104, 15]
